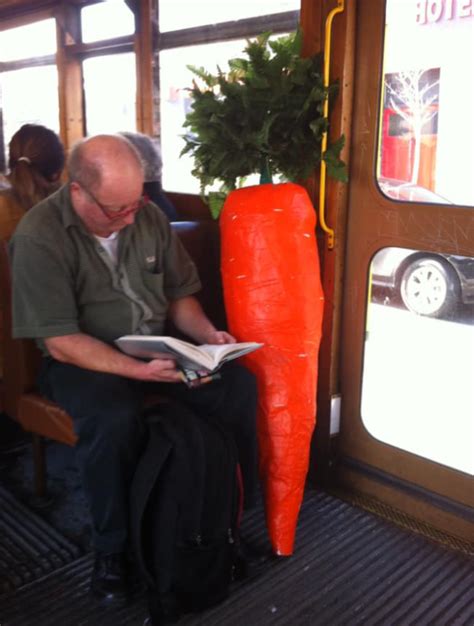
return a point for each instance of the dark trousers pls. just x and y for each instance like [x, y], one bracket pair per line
[106, 411]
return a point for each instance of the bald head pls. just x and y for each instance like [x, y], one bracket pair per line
[99, 162]
[106, 183]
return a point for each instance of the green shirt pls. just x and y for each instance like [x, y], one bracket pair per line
[65, 282]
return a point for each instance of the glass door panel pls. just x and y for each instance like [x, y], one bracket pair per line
[418, 372]
[407, 368]
[427, 126]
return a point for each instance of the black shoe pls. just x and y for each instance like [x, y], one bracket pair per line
[253, 553]
[250, 559]
[110, 577]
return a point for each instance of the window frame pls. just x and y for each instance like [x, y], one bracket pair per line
[146, 42]
[191, 206]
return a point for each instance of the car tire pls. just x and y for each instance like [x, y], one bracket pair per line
[429, 287]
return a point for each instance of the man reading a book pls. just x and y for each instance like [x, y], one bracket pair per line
[91, 263]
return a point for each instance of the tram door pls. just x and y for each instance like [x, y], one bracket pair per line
[407, 373]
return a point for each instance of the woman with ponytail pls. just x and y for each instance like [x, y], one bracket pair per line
[35, 162]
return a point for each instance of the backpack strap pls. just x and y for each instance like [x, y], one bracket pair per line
[174, 452]
[188, 448]
[150, 465]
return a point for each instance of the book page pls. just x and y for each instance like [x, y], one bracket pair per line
[222, 353]
[150, 346]
[187, 355]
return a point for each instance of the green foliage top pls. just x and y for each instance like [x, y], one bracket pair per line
[264, 116]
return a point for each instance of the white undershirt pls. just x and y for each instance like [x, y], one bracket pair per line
[110, 244]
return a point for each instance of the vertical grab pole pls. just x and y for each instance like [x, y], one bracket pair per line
[322, 182]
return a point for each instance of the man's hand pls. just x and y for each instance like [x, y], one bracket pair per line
[90, 353]
[218, 336]
[162, 371]
[188, 316]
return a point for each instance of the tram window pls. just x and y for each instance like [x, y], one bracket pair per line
[175, 80]
[106, 20]
[110, 88]
[29, 96]
[177, 14]
[28, 41]
[417, 391]
[426, 151]
[109, 102]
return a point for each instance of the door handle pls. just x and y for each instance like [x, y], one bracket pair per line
[324, 140]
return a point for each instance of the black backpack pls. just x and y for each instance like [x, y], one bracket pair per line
[186, 502]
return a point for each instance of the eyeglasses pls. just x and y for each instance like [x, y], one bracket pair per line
[119, 211]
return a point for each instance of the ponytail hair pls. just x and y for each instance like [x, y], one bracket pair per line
[36, 160]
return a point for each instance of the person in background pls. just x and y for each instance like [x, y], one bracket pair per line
[36, 161]
[150, 154]
[92, 262]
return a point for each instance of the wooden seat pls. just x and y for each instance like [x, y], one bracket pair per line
[21, 358]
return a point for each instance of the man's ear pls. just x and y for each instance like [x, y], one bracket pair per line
[74, 189]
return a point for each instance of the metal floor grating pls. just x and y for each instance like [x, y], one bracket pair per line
[402, 519]
[29, 547]
[350, 568]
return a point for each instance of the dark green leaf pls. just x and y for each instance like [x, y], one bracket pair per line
[216, 201]
[267, 109]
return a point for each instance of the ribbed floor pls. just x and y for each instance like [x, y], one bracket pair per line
[29, 547]
[349, 568]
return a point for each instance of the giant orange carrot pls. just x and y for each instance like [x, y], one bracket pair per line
[273, 295]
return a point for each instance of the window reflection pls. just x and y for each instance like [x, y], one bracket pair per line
[18, 105]
[175, 81]
[177, 14]
[110, 93]
[106, 20]
[408, 192]
[417, 391]
[427, 127]
[28, 41]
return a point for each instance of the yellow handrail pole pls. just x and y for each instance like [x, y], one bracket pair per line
[324, 139]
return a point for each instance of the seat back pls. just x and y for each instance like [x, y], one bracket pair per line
[201, 240]
[21, 357]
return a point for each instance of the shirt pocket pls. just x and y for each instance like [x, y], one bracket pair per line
[154, 285]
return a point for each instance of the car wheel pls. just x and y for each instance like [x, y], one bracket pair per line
[429, 287]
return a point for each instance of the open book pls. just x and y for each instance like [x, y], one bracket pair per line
[206, 357]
